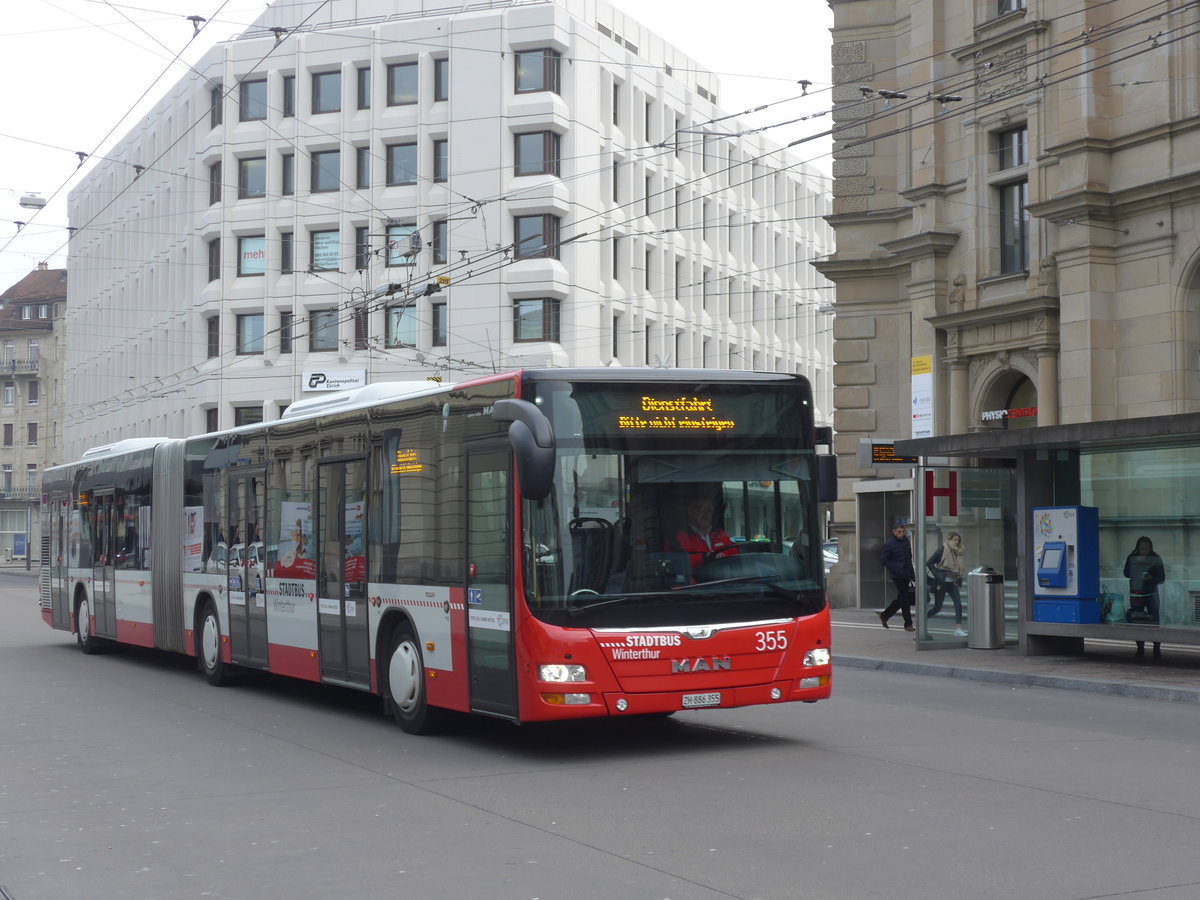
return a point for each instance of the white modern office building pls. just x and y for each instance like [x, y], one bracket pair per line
[366, 190]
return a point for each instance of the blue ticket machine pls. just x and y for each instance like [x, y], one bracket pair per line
[1066, 554]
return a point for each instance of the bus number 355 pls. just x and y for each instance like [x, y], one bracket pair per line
[770, 640]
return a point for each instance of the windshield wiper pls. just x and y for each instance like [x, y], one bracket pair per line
[752, 579]
[613, 601]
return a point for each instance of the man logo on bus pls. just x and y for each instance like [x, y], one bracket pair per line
[316, 379]
[716, 664]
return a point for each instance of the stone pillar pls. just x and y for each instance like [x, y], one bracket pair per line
[1047, 363]
[960, 396]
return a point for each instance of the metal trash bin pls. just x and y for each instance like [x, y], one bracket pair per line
[985, 609]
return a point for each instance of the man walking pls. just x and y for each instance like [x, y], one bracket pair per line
[898, 560]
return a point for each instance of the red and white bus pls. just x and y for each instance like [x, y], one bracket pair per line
[508, 546]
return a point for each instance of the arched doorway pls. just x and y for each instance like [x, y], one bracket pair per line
[1011, 401]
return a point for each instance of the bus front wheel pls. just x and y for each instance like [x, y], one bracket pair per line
[406, 685]
[83, 626]
[208, 647]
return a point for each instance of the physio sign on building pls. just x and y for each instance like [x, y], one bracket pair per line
[1017, 417]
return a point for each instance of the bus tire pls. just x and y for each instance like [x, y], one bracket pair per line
[406, 685]
[208, 647]
[83, 626]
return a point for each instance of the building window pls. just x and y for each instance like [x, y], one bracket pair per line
[326, 171]
[285, 332]
[402, 164]
[216, 97]
[289, 96]
[535, 320]
[441, 80]
[210, 421]
[32, 391]
[212, 330]
[362, 248]
[1007, 6]
[538, 70]
[214, 183]
[252, 100]
[6, 478]
[252, 177]
[362, 329]
[441, 160]
[362, 167]
[252, 255]
[8, 434]
[287, 256]
[1012, 148]
[31, 477]
[1014, 227]
[247, 415]
[33, 346]
[250, 334]
[364, 88]
[322, 330]
[214, 259]
[437, 325]
[536, 236]
[31, 435]
[401, 326]
[439, 244]
[325, 251]
[326, 92]
[1012, 155]
[10, 393]
[616, 103]
[402, 84]
[287, 177]
[403, 245]
[537, 153]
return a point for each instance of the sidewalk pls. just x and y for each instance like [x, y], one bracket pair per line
[1106, 667]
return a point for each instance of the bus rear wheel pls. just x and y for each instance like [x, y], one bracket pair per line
[208, 647]
[406, 686]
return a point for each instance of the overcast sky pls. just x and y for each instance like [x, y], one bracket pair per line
[78, 74]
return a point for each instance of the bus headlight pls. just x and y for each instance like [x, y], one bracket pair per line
[817, 657]
[560, 672]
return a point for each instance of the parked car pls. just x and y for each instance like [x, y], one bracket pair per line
[829, 550]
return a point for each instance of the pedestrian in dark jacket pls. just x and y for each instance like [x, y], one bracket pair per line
[898, 560]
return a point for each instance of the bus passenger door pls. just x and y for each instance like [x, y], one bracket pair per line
[60, 594]
[342, 572]
[247, 597]
[104, 574]
[490, 651]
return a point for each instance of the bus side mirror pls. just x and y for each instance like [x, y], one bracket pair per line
[827, 477]
[532, 442]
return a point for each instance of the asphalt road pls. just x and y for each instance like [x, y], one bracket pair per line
[125, 775]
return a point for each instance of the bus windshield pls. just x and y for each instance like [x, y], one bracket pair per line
[675, 523]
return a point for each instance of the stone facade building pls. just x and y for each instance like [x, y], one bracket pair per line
[1017, 213]
[31, 402]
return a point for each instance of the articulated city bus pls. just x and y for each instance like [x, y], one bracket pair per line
[516, 546]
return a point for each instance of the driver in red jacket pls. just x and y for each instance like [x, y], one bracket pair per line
[699, 538]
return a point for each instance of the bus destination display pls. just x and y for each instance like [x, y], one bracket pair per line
[687, 413]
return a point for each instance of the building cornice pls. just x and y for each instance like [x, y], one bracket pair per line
[891, 214]
[995, 34]
[926, 243]
[993, 315]
[859, 267]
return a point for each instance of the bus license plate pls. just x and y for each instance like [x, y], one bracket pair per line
[691, 701]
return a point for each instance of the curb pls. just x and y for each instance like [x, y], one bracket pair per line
[1136, 689]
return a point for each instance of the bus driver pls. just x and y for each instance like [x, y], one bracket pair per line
[699, 538]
